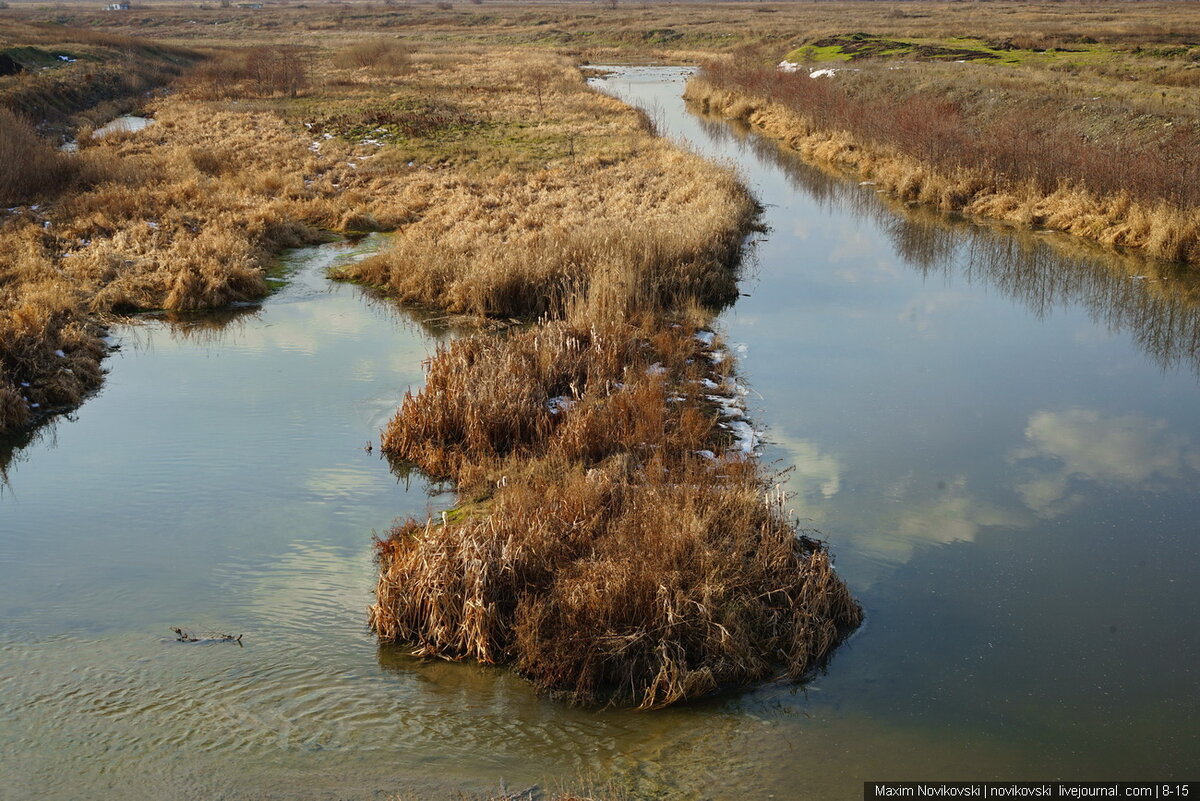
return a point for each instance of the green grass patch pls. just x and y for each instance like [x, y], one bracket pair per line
[856, 46]
[813, 53]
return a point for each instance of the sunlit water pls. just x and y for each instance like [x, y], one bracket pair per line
[998, 433]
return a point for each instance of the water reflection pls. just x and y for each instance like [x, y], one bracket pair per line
[1156, 303]
[1129, 452]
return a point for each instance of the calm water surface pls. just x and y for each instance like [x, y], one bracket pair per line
[998, 433]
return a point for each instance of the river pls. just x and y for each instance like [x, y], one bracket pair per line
[998, 432]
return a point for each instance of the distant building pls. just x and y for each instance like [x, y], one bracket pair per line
[117, 7]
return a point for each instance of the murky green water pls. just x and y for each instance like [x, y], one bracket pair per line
[999, 435]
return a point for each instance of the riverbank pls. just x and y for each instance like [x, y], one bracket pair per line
[927, 142]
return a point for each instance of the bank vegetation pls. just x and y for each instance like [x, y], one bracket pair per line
[1028, 145]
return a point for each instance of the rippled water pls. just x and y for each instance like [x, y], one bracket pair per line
[998, 432]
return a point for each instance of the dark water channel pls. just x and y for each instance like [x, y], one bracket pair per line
[998, 433]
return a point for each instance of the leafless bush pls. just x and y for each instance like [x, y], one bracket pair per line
[258, 71]
[383, 55]
[29, 167]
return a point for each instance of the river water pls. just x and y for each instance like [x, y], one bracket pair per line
[997, 432]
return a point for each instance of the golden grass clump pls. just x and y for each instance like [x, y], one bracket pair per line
[576, 393]
[49, 358]
[619, 583]
[650, 231]
[611, 545]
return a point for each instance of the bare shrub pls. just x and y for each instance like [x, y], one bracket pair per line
[29, 167]
[257, 71]
[383, 55]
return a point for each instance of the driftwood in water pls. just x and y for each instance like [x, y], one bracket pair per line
[184, 637]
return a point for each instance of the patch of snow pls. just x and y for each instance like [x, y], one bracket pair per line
[730, 407]
[705, 338]
[744, 437]
[717, 356]
[788, 66]
[656, 369]
[706, 453]
[60, 354]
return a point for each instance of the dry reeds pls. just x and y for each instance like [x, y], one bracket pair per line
[619, 583]
[261, 71]
[49, 357]
[487, 398]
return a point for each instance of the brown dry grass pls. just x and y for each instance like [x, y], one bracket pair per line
[385, 55]
[189, 212]
[649, 231]
[599, 551]
[651, 30]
